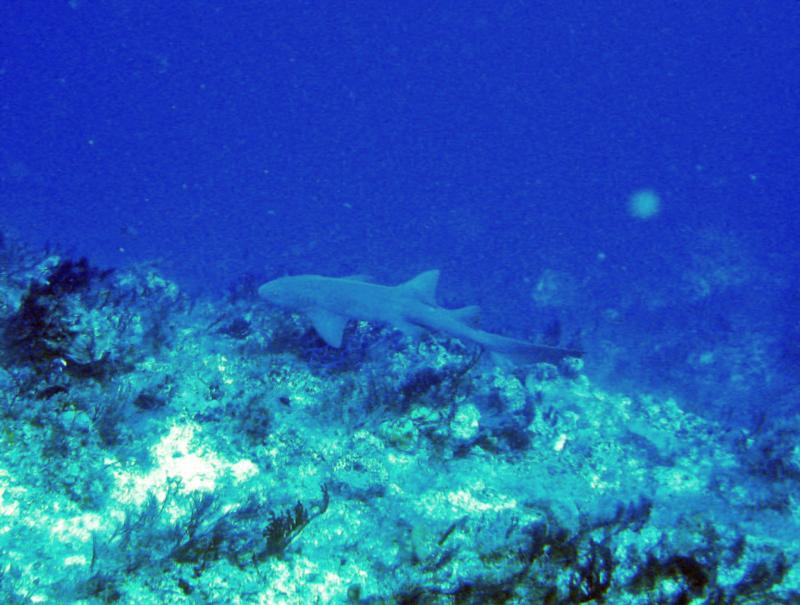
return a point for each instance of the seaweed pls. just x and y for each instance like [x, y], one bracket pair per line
[194, 545]
[591, 580]
[108, 416]
[421, 382]
[207, 533]
[440, 386]
[238, 329]
[691, 575]
[101, 586]
[761, 577]
[284, 528]
[44, 329]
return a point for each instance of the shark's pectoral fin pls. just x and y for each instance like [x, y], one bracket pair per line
[423, 286]
[329, 326]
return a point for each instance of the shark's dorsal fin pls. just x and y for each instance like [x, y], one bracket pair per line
[423, 286]
[328, 325]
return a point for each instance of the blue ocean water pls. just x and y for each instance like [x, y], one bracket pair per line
[613, 176]
[496, 141]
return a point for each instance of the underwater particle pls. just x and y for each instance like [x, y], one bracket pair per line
[644, 204]
[556, 288]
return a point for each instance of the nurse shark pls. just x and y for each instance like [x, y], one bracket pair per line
[329, 302]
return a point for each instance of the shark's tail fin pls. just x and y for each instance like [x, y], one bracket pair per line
[521, 351]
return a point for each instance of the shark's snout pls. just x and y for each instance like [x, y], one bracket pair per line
[274, 292]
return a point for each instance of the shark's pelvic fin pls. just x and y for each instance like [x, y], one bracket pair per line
[423, 286]
[409, 329]
[329, 326]
[470, 315]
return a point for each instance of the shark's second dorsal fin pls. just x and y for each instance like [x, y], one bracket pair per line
[423, 286]
[470, 315]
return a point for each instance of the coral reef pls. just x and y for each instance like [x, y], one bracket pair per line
[160, 449]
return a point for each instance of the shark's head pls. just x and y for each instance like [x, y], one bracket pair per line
[283, 292]
[294, 292]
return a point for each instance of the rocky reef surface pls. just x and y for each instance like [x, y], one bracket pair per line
[157, 448]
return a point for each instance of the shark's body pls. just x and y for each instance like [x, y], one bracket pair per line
[330, 302]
